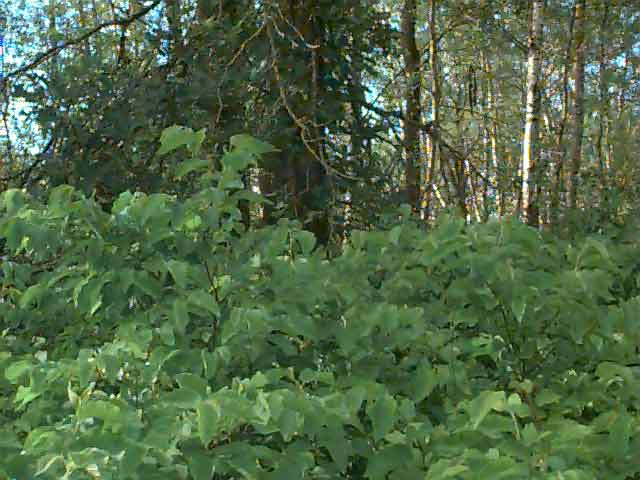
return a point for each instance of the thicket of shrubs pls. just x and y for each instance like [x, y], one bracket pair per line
[163, 341]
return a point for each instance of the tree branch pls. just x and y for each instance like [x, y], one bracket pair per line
[123, 22]
[26, 172]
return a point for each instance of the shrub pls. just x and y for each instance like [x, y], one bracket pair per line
[163, 341]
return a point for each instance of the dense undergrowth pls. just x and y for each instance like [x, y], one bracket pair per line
[162, 341]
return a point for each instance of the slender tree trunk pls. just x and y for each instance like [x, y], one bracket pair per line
[494, 175]
[493, 182]
[358, 154]
[52, 34]
[122, 57]
[603, 126]
[578, 105]
[539, 172]
[456, 164]
[96, 20]
[473, 187]
[356, 92]
[603, 86]
[559, 183]
[173, 10]
[621, 87]
[486, 136]
[532, 113]
[53, 71]
[434, 149]
[413, 114]
[82, 20]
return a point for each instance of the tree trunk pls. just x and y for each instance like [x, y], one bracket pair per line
[96, 20]
[82, 21]
[173, 11]
[304, 173]
[602, 146]
[532, 113]
[495, 176]
[603, 90]
[457, 171]
[559, 183]
[413, 114]
[578, 105]
[434, 148]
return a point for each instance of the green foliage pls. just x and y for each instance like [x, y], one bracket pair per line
[163, 341]
[177, 136]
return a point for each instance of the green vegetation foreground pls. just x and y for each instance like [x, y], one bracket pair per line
[163, 341]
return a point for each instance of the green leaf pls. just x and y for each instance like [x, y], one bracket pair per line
[189, 166]
[192, 382]
[180, 272]
[529, 435]
[609, 371]
[383, 415]
[52, 460]
[123, 201]
[110, 413]
[423, 382]
[201, 467]
[25, 395]
[88, 295]
[546, 397]
[13, 200]
[60, 197]
[518, 307]
[134, 454]
[443, 469]
[289, 423]
[307, 241]
[620, 435]
[394, 235]
[208, 420]
[251, 145]
[148, 284]
[136, 337]
[483, 404]
[180, 316]
[333, 438]
[17, 370]
[32, 295]
[387, 459]
[176, 136]
[236, 161]
[204, 300]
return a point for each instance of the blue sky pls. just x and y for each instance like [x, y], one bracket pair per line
[11, 60]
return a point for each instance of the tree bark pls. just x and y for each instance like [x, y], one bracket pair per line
[413, 113]
[602, 145]
[434, 148]
[173, 9]
[559, 183]
[495, 176]
[578, 105]
[308, 183]
[532, 113]
[82, 20]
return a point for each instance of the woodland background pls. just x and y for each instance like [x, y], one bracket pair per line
[489, 108]
[320, 239]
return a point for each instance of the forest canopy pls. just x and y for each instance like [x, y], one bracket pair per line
[489, 108]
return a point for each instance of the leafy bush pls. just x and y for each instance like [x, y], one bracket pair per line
[163, 341]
